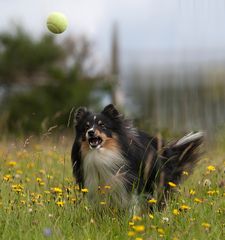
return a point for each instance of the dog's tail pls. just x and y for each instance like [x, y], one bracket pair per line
[178, 159]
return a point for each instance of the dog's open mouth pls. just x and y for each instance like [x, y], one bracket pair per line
[94, 142]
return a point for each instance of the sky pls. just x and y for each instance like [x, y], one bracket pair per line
[145, 26]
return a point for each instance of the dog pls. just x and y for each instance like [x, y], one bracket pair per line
[109, 153]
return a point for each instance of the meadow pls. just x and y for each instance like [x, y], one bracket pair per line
[39, 199]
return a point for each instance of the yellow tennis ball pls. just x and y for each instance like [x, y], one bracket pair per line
[57, 22]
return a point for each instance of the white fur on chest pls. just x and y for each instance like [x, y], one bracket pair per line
[105, 167]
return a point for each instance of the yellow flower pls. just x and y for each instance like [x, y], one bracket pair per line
[151, 216]
[17, 188]
[56, 190]
[60, 203]
[211, 168]
[138, 238]
[198, 200]
[176, 212]
[12, 163]
[206, 225]
[192, 192]
[171, 184]
[84, 190]
[152, 201]
[131, 233]
[131, 223]
[107, 187]
[103, 203]
[139, 228]
[136, 218]
[185, 207]
[185, 173]
[161, 231]
[213, 192]
[7, 177]
[38, 179]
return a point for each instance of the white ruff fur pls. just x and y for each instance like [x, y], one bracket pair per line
[105, 167]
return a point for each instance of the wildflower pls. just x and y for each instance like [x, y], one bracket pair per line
[185, 173]
[12, 163]
[192, 192]
[161, 231]
[206, 183]
[139, 228]
[185, 207]
[152, 201]
[131, 223]
[60, 203]
[151, 216]
[206, 225]
[7, 177]
[213, 192]
[19, 172]
[136, 218]
[84, 190]
[171, 184]
[138, 238]
[131, 233]
[49, 177]
[198, 200]
[73, 200]
[47, 232]
[211, 168]
[103, 203]
[56, 190]
[176, 212]
[17, 188]
[107, 187]
[165, 219]
[38, 179]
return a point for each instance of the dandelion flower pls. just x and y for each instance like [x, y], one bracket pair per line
[206, 225]
[151, 216]
[60, 203]
[103, 203]
[176, 212]
[185, 207]
[160, 231]
[198, 200]
[7, 177]
[152, 201]
[136, 218]
[211, 168]
[192, 192]
[139, 228]
[12, 163]
[131, 223]
[131, 234]
[84, 190]
[185, 173]
[171, 184]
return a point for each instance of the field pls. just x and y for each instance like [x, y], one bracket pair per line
[39, 200]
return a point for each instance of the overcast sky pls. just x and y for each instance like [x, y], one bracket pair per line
[145, 25]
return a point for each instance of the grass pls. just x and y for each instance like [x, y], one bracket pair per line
[39, 200]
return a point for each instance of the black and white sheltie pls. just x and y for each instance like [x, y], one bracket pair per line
[109, 151]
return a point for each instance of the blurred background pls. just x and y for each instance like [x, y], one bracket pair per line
[162, 62]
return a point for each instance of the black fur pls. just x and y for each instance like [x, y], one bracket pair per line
[150, 163]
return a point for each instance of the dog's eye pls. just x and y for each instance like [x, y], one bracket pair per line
[101, 124]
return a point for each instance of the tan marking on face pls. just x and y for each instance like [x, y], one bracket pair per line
[84, 148]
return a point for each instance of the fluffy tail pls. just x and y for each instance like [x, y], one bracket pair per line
[179, 159]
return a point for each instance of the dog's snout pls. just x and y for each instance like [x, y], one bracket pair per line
[91, 133]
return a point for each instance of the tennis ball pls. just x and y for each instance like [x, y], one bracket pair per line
[57, 22]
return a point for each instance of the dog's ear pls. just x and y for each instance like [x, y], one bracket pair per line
[79, 114]
[111, 111]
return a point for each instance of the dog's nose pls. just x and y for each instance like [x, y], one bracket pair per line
[91, 133]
